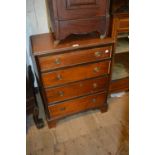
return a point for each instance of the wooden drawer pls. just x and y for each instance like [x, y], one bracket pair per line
[119, 85]
[72, 58]
[76, 89]
[123, 25]
[75, 73]
[77, 105]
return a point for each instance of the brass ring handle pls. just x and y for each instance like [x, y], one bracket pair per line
[59, 77]
[61, 93]
[57, 61]
[94, 100]
[96, 69]
[94, 85]
[97, 54]
[62, 109]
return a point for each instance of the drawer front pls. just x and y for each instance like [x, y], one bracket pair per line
[73, 58]
[77, 105]
[123, 25]
[76, 89]
[75, 73]
[119, 85]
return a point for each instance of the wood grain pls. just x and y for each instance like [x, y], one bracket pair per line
[119, 85]
[75, 73]
[74, 57]
[120, 24]
[43, 44]
[73, 90]
[98, 8]
[75, 16]
[77, 105]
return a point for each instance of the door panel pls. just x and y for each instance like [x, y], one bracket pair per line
[78, 9]
[76, 4]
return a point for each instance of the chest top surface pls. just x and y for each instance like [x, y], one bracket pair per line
[44, 43]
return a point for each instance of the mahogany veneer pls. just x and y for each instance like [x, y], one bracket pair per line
[74, 75]
[77, 105]
[77, 73]
[78, 17]
[76, 89]
[120, 24]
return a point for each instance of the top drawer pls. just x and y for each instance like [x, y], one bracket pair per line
[73, 58]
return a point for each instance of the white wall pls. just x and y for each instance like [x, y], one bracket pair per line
[36, 21]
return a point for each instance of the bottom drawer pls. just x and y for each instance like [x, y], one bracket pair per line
[77, 105]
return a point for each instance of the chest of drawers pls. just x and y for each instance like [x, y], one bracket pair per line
[74, 75]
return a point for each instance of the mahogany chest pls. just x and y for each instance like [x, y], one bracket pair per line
[74, 75]
[78, 17]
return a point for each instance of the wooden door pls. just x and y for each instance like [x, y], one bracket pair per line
[78, 9]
